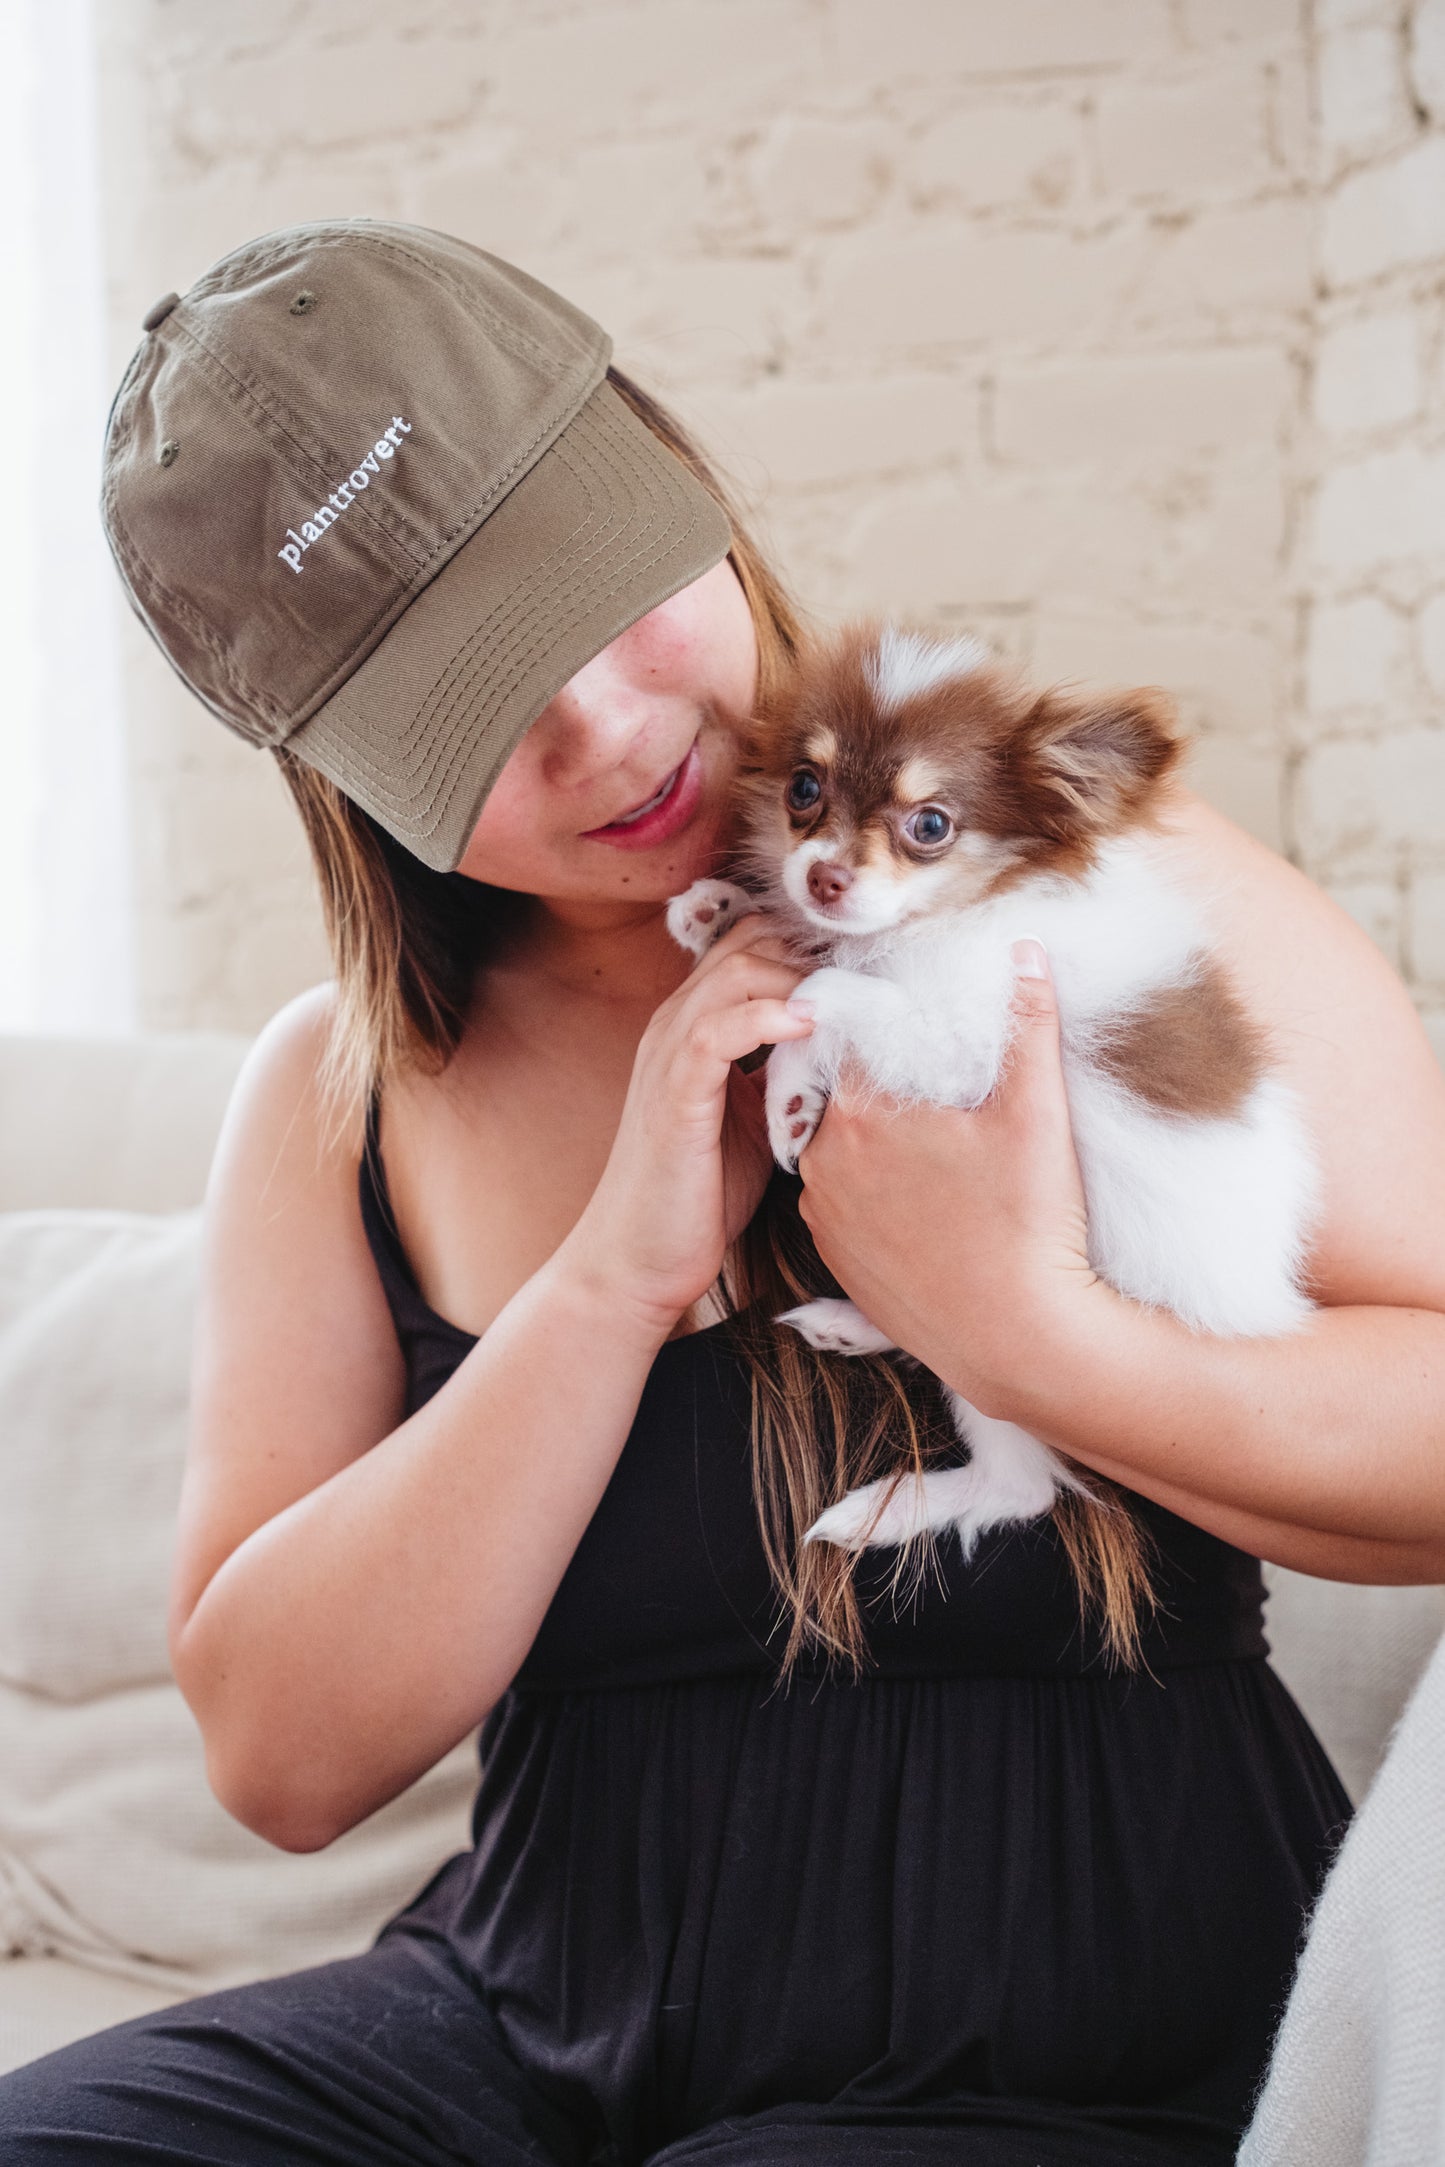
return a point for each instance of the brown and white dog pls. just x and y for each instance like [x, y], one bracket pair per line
[910, 809]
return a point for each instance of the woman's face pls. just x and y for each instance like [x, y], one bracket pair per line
[663, 704]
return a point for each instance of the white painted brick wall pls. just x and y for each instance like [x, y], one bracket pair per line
[1369, 372]
[1367, 810]
[1427, 56]
[1003, 315]
[1364, 105]
[1387, 216]
[1358, 655]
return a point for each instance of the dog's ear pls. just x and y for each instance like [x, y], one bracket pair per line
[1088, 763]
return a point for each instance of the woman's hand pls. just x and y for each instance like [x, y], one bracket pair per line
[690, 1160]
[962, 1235]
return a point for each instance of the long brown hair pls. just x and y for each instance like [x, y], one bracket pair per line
[407, 942]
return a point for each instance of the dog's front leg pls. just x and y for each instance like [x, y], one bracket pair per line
[869, 1018]
[853, 1014]
[802, 1071]
[794, 1099]
[703, 913]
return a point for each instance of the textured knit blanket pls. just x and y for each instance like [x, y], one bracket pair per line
[1358, 2074]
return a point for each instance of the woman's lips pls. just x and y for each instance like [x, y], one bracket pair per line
[670, 814]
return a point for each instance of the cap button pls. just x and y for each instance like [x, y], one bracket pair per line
[158, 311]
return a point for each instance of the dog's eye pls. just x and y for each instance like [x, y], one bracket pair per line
[930, 826]
[803, 792]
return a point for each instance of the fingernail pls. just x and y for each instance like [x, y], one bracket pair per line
[1031, 958]
[805, 1009]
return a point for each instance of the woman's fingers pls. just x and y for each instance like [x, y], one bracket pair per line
[724, 1035]
[743, 975]
[755, 933]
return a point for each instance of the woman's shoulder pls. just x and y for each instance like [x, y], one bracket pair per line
[1347, 1037]
[296, 1037]
[1297, 956]
[286, 1093]
[285, 1244]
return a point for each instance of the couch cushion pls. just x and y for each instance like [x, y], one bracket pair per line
[96, 1311]
[112, 1849]
[1351, 1657]
[45, 2003]
[129, 1123]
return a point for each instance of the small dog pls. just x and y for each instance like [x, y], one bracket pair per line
[911, 808]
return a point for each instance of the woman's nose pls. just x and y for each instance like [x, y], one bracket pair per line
[591, 724]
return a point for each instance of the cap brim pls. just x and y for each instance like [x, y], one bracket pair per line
[606, 525]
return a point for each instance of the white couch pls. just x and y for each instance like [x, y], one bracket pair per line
[123, 1885]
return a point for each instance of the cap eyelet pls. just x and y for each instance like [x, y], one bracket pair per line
[304, 303]
[159, 311]
[170, 452]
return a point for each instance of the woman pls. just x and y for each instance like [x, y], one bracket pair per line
[465, 1450]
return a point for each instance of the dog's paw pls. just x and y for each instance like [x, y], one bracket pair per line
[971, 1500]
[703, 913]
[880, 1515]
[975, 1499]
[836, 1327]
[793, 1116]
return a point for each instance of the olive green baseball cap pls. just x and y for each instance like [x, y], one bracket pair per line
[369, 489]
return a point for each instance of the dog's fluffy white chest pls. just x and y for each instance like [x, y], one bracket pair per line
[1111, 939]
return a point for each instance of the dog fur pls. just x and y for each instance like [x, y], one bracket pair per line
[910, 808]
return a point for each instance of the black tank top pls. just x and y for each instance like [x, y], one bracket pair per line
[991, 1882]
[670, 1578]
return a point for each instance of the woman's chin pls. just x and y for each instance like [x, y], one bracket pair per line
[701, 853]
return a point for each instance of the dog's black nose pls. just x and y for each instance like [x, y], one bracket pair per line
[827, 882]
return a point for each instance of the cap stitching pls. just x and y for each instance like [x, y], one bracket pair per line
[646, 492]
[443, 754]
[452, 687]
[557, 625]
[515, 633]
[522, 342]
[527, 628]
[562, 450]
[516, 617]
[162, 596]
[319, 699]
[268, 716]
[443, 750]
[241, 266]
[283, 418]
[516, 613]
[422, 579]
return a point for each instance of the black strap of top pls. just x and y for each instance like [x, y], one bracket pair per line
[378, 1218]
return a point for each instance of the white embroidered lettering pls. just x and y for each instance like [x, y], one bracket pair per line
[342, 496]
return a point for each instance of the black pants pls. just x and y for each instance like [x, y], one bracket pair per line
[390, 2059]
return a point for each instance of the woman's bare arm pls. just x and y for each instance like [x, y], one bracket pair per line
[1323, 1450]
[354, 1591]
